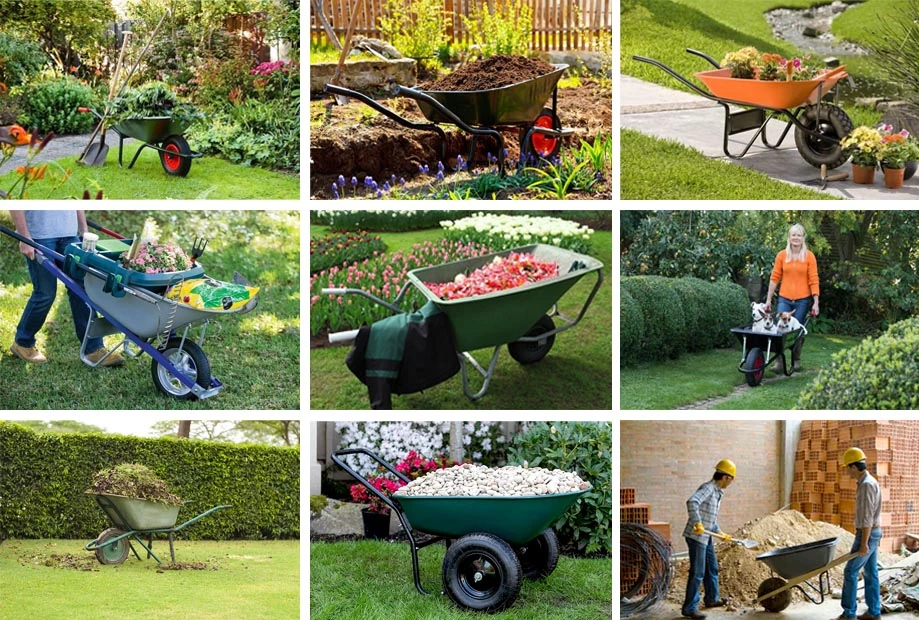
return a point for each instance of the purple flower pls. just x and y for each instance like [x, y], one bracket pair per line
[353, 181]
[335, 194]
[402, 181]
[387, 186]
[341, 180]
[440, 166]
[368, 180]
[379, 193]
[440, 175]
[334, 187]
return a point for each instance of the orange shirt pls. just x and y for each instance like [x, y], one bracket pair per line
[799, 278]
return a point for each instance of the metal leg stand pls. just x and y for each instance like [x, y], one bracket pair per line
[487, 374]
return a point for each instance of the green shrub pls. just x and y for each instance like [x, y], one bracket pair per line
[732, 309]
[664, 334]
[415, 28]
[878, 373]
[583, 447]
[52, 106]
[153, 99]
[335, 249]
[380, 220]
[20, 59]
[689, 292]
[631, 326]
[222, 83]
[43, 477]
[503, 28]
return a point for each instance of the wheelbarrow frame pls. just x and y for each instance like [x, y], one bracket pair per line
[458, 518]
[753, 362]
[757, 117]
[435, 110]
[119, 519]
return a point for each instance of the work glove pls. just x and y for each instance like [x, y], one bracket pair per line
[698, 529]
[727, 537]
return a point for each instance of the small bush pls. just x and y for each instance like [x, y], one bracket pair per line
[222, 83]
[878, 373]
[20, 59]
[583, 447]
[665, 332]
[52, 106]
[732, 309]
[415, 28]
[335, 249]
[631, 326]
[503, 28]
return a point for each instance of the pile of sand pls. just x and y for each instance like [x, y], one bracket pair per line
[740, 573]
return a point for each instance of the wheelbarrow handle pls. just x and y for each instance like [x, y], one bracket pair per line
[100, 228]
[27, 241]
[801, 578]
[345, 336]
[394, 306]
[338, 460]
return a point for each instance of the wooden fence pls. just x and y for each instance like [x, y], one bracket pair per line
[557, 24]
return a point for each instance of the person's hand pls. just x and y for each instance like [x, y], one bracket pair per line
[863, 550]
[27, 250]
[815, 309]
[727, 537]
[768, 306]
[698, 529]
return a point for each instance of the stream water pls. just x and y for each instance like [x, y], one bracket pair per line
[809, 29]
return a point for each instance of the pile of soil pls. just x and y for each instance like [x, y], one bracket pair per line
[739, 571]
[62, 560]
[493, 72]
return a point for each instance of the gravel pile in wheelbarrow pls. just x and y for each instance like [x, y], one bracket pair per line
[479, 480]
[133, 480]
[494, 72]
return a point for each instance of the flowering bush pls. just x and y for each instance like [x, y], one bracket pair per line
[498, 275]
[504, 232]
[157, 258]
[748, 63]
[276, 80]
[332, 250]
[360, 494]
[414, 465]
[863, 144]
[896, 148]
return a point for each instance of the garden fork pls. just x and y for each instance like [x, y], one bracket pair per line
[197, 249]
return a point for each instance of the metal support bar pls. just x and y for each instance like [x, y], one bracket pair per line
[569, 323]
[487, 374]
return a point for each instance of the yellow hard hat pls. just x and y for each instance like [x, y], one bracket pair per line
[853, 455]
[726, 466]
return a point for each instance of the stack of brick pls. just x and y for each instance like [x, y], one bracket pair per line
[823, 491]
[632, 512]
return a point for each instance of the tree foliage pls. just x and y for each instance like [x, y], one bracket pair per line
[270, 432]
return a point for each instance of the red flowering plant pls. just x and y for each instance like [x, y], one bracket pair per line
[414, 465]
[387, 487]
[499, 275]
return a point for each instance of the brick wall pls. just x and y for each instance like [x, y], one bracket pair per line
[666, 461]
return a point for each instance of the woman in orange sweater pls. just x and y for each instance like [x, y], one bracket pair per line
[796, 269]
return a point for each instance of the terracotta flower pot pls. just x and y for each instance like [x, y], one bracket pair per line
[863, 175]
[893, 178]
[376, 524]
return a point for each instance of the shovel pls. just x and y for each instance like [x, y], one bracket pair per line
[742, 542]
[823, 179]
[95, 154]
[336, 77]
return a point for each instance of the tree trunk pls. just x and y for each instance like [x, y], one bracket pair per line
[184, 429]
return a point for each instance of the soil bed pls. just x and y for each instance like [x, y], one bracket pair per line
[494, 72]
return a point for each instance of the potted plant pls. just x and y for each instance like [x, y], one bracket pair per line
[863, 144]
[896, 150]
[376, 515]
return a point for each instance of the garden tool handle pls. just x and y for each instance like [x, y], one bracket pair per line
[720, 535]
[345, 336]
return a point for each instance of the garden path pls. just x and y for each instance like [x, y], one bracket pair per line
[698, 123]
[65, 146]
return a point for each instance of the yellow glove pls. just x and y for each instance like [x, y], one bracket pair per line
[727, 537]
[698, 529]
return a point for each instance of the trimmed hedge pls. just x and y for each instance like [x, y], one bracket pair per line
[676, 315]
[878, 373]
[43, 477]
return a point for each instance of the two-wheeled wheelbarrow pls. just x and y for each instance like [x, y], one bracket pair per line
[142, 307]
[132, 519]
[492, 542]
[795, 566]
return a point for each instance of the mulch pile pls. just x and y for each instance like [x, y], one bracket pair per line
[493, 72]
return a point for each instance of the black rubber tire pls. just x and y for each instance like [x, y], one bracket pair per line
[539, 557]
[191, 360]
[755, 365]
[532, 352]
[177, 161]
[778, 602]
[116, 553]
[542, 146]
[481, 572]
[833, 122]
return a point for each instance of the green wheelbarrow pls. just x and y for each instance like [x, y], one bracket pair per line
[493, 542]
[133, 518]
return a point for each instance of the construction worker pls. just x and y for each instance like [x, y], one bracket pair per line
[702, 507]
[867, 539]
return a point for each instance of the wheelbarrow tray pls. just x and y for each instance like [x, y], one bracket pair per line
[504, 316]
[152, 129]
[518, 520]
[131, 513]
[107, 260]
[516, 103]
[792, 562]
[775, 95]
[761, 340]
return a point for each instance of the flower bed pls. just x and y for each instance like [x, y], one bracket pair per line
[498, 275]
[505, 232]
[336, 249]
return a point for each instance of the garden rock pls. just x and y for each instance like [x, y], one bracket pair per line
[365, 74]
[342, 519]
[593, 61]
[479, 480]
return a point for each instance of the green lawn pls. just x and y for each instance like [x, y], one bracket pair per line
[245, 580]
[576, 374]
[373, 579]
[712, 374]
[210, 177]
[256, 355]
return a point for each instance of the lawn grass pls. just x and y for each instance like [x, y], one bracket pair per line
[256, 355]
[576, 374]
[254, 580]
[711, 374]
[655, 169]
[373, 579]
[210, 177]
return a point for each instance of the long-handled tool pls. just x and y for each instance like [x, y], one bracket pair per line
[96, 153]
[742, 542]
[823, 179]
[346, 47]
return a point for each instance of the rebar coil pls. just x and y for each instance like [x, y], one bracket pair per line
[645, 573]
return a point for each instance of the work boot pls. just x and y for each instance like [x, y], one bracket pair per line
[867, 616]
[720, 603]
[114, 359]
[695, 615]
[28, 354]
[780, 366]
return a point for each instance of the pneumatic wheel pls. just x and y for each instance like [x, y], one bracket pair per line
[832, 126]
[176, 156]
[755, 366]
[115, 553]
[190, 360]
[539, 557]
[540, 145]
[533, 351]
[778, 602]
[481, 572]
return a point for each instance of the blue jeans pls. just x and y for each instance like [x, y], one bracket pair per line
[703, 570]
[798, 306]
[44, 290]
[872, 583]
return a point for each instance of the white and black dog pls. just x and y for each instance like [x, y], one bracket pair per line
[762, 320]
[788, 323]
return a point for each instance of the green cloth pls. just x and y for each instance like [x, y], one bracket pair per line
[387, 341]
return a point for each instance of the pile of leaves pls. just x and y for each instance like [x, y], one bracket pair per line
[133, 480]
[151, 100]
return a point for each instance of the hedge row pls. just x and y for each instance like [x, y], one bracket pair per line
[43, 477]
[878, 373]
[661, 318]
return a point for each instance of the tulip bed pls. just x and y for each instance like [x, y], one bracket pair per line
[498, 275]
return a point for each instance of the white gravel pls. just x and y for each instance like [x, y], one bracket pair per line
[478, 480]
